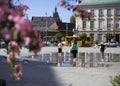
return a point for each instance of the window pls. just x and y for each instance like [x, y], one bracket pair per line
[91, 24]
[109, 12]
[118, 11]
[92, 36]
[100, 37]
[92, 12]
[109, 21]
[100, 24]
[117, 23]
[84, 24]
[100, 12]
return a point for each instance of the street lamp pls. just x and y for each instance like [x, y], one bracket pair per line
[66, 29]
[46, 27]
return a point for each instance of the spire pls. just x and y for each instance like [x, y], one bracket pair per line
[55, 9]
[56, 15]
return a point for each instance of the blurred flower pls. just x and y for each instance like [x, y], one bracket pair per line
[9, 57]
[62, 3]
[78, 12]
[6, 33]
[19, 32]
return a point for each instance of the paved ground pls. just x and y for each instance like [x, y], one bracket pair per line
[25, 51]
[39, 74]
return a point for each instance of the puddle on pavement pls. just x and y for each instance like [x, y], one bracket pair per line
[85, 59]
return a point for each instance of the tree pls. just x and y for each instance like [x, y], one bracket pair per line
[72, 19]
[58, 36]
[83, 37]
[108, 37]
[78, 12]
[115, 81]
[17, 31]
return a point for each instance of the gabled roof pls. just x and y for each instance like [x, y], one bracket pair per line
[42, 21]
[94, 2]
[62, 26]
[44, 29]
[54, 26]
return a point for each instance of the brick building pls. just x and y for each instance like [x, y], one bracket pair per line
[48, 27]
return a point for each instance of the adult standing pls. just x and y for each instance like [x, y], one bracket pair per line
[74, 49]
[102, 49]
[59, 54]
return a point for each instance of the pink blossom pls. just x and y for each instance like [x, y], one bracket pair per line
[19, 32]
[13, 44]
[70, 7]
[15, 47]
[18, 66]
[1, 13]
[6, 33]
[39, 46]
[87, 14]
[4, 1]
[24, 7]
[23, 26]
[27, 41]
[17, 76]
[18, 73]
[78, 8]
[9, 56]
[89, 11]
[62, 3]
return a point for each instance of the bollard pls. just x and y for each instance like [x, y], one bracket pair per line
[2, 82]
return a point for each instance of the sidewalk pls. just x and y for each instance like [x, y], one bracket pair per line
[39, 74]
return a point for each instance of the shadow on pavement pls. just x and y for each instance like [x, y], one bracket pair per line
[34, 74]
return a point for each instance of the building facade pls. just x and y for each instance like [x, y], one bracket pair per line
[105, 19]
[48, 27]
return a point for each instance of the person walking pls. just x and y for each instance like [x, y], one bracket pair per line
[102, 49]
[59, 54]
[74, 49]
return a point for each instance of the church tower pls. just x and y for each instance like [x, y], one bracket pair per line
[56, 15]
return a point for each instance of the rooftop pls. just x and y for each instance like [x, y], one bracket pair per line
[94, 2]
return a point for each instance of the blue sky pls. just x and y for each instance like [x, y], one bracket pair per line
[40, 7]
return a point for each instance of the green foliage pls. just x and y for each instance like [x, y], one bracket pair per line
[72, 19]
[83, 36]
[109, 36]
[58, 36]
[115, 81]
